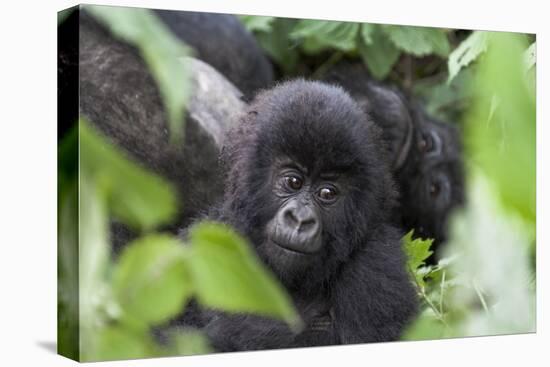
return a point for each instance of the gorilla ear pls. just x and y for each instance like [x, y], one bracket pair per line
[389, 110]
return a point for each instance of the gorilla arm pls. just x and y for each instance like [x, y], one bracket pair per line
[371, 304]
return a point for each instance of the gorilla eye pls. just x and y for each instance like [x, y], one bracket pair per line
[435, 189]
[293, 182]
[426, 143]
[327, 194]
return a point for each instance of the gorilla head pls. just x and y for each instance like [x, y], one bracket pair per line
[432, 177]
[307, 179]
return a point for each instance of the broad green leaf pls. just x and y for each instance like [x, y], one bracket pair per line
[256, 23]
[366, 32]
[468, 51]
[321, 34]
[151, 282]
[418, 41]
[279, 46]
[190, 342]
[501, 137]
[229, 276]
[137, 197]
[380, 55]
[114, 343]
[160, 49]
[417, 251]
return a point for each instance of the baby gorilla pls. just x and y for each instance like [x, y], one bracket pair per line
[308, 183]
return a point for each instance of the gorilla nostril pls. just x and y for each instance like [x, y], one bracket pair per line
[308, 225]
[290, 219]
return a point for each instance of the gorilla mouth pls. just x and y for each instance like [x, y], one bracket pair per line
[292, 248]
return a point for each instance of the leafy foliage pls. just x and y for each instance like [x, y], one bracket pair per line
[510, 164]
[160, 49]
[418, 41]
[467, 52]
[229, 276]
[379, 46]
[156, 274]
[483, 285]
[377, 51]
[147, 203]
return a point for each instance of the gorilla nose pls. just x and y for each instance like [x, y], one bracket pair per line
[301, 219]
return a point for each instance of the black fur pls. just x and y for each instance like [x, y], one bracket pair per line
[355, 290]
[223, 42]
[406, 129]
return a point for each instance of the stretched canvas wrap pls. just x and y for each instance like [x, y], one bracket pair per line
[238, 182]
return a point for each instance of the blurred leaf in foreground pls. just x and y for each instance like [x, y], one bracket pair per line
[139, 198]
[160, 49]
[494, 264]
[501, 136]
[228, 275]
[151, 282]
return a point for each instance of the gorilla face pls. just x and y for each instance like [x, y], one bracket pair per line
[432, 178]
[308, 178]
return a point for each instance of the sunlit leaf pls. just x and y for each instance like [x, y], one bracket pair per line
[417, 250]
[139, 198]
[151, 282]
[229, 276]
[160, 49]
[493, 246]
[468, 51]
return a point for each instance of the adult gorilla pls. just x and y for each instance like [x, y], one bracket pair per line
[307, 182]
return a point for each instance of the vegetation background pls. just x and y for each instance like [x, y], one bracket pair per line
[485, 285]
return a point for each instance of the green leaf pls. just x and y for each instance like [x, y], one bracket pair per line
[189, 342]
[468, 51]
[139, 198]
[256, 23]
[366, 32]
[427, 327]
[417, 251]
[501, 137]
[418, 41]
[160, 49]
[151, 282]
[229, 276]
[380, 55]
[321, 34]
[279, 46]
[114, 343]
